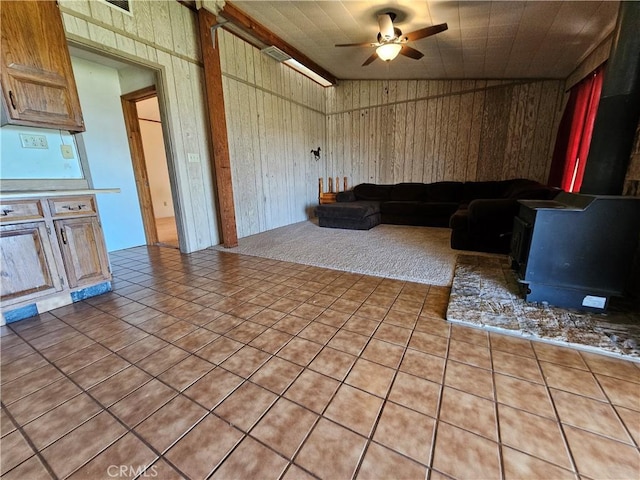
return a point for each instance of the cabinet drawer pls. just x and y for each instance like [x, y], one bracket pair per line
[67, 206]
[14, 210]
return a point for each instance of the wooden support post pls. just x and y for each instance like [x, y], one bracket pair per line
[345, 184]
[221, 162]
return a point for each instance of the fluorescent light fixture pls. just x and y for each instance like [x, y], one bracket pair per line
[308, 72]
[277, 54]
[388, 51]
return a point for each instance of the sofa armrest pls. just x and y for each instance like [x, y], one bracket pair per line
[347, 196]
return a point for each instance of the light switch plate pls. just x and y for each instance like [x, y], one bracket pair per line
[67, 151]
[193, 157]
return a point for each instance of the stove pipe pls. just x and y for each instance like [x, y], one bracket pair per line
[618, 110]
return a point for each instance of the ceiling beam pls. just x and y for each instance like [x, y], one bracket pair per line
[190, 4]
[263, 34]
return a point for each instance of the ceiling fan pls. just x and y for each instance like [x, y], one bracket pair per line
[392, 42]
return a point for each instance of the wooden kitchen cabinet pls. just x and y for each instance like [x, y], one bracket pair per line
[38, 86]
[52, 253]
[83, 250]
[28, 263]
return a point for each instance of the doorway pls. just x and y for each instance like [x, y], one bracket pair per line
[144, 130]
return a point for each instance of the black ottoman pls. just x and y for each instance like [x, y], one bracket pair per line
[358, 215]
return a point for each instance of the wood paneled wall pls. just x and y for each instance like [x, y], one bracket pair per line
[434, 130]
[275, 116]
[163, 36]
[376, 131]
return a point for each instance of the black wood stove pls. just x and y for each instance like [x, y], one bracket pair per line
[575, 251]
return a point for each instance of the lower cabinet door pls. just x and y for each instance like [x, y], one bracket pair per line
[28, 267]
[83, 250]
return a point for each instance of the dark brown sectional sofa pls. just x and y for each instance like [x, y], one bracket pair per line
[480, 214]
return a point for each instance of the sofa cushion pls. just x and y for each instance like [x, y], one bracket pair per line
[347, 196]
[444, 192]
[351, 210]
[371, 191]
[519, 184]
[408, 192]
[489, 189]
[418, 209]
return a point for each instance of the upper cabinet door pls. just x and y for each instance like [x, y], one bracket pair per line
[37, 80]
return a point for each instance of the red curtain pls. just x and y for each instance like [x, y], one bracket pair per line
[574, 134]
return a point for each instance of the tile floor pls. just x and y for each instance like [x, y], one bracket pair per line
[217, 365]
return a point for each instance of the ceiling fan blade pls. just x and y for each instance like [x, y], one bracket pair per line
[411, 53]
[385, 22]
[363, 44]
[425, 32]
[370, 59]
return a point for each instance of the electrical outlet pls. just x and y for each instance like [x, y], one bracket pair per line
[34, 141]
[193, 157]
[67, 151]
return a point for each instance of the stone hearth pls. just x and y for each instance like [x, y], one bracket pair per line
[486, 293]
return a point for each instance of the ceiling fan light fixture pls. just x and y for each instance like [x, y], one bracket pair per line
[388, 51]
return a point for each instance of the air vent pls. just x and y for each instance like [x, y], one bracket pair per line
[275, 53]
[120, 5]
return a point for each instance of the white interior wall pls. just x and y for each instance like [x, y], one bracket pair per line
[108, 155]
[19, 162]
[134, 78]
[155, 157]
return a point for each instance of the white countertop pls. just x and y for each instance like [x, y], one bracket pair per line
[55, 193]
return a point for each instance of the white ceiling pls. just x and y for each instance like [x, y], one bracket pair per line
[485, 39]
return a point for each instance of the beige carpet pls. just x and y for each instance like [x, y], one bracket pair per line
[416, 254]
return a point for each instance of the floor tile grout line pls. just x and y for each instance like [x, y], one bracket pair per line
[634, 442]
[115, 417]
[80, 392]
[27, 438]
[275, 354]
[537, 359]
[76, 427]
[127, 428]
[500, 443]
[278, 397]
[385, 401]
[341, 383]
[557, 419]
[495, 411]
[434, 436]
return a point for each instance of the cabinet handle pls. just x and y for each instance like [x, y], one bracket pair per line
[6, 212]
[70, 208]
[63, 236]
[13, 100]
